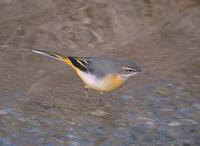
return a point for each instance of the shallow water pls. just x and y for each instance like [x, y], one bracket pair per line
[42, 101]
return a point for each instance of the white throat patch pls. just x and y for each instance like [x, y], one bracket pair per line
[126, 76]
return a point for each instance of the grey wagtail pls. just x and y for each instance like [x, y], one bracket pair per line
[100, 73]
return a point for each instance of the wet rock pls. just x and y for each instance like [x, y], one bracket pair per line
[175, 123]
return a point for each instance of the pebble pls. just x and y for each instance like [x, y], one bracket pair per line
[73, 143]
[99, 113]
[150, 122]
[127, 97]
[86, 20]
[175, 123]
[168, 110]
[189, 121]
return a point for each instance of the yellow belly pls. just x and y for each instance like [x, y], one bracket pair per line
[106, 84]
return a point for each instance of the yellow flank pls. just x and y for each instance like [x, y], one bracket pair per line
[112, 82]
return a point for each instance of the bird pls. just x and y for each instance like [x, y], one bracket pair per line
[103, 74]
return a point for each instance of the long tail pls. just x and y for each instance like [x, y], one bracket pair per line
[74, 62]
[52, 55]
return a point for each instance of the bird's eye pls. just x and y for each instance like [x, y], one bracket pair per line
[130, 70]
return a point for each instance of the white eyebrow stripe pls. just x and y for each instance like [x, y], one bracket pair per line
[128, 68]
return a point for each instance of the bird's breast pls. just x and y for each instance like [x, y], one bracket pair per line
[103, 84]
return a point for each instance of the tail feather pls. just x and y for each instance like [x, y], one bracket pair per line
[74, 62]
[52, 55]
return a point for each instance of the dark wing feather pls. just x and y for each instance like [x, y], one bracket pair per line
[81, 63]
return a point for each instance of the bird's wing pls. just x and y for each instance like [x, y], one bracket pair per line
[100, 66]
[90, 65]
[84, 64]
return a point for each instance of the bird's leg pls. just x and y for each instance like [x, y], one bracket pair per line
[86, 91]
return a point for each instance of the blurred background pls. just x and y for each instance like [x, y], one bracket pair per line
[42, 101]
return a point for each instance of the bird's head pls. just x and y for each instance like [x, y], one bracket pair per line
[129, 68]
